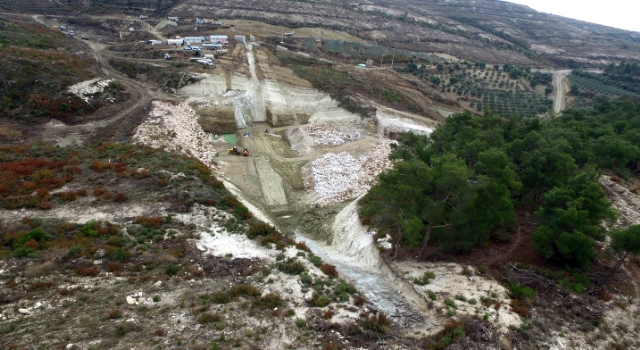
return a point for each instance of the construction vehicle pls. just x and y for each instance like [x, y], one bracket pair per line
[234, 150]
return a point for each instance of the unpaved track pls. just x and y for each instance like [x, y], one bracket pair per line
[140, 97]
[560, 85]
[147, 27]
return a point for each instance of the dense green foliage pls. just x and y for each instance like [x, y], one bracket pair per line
[626, 242]
[460, 186]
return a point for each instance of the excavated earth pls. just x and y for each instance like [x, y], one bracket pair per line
[309, 162]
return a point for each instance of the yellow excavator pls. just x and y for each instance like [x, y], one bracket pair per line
[234, 150]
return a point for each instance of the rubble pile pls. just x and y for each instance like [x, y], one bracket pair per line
[332, 133]
[339, 177]
[175, 128]
[87, 88]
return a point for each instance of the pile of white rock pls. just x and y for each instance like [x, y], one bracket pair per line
[332, 133]
[339, 177]
[175, 128]
[87, 88]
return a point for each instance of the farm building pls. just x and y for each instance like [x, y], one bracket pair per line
[194, 39]
[212, 46]
[155, 42]
[219, 39]
[176, 42]
[241, 38]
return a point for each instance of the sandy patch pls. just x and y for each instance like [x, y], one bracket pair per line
[450, 282]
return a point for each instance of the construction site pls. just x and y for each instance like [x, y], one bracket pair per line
[296, 122]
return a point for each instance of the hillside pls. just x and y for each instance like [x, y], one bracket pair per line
[488, 30]
[373, 175]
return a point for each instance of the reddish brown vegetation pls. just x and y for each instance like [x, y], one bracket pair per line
[605, 296]
[120, 197]
[303, 246]
[45, 205]
[69, 196]
[329, 314]
[87, 271]
[100, 167]
[329, 270]
[150, 221]
[101, 192]
[114, 267]
[19, 179]
[332, 346]
[520, 308]
[40, 285]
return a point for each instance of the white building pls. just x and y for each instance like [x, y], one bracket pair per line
[176, 42]
[194, 39]
[240, 38]
[219, 39]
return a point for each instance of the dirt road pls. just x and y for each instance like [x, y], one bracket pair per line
[140, 97]
[561, 87]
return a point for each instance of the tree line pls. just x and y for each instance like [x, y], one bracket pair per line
[460, 186]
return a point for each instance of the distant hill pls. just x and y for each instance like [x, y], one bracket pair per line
[487, 30]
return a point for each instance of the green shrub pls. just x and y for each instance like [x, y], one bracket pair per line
[269, 301]
[432, 295]
[171, 270]
[306, 279]
[450, 303]
[521, 292]
[379, 324]
[321, 300]
[291, 266]
[221, 297]
[122, 329]
[426, 278]
[244, 290]
[209, 317]
[315, 260]
[460, 297]
[300, 323]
